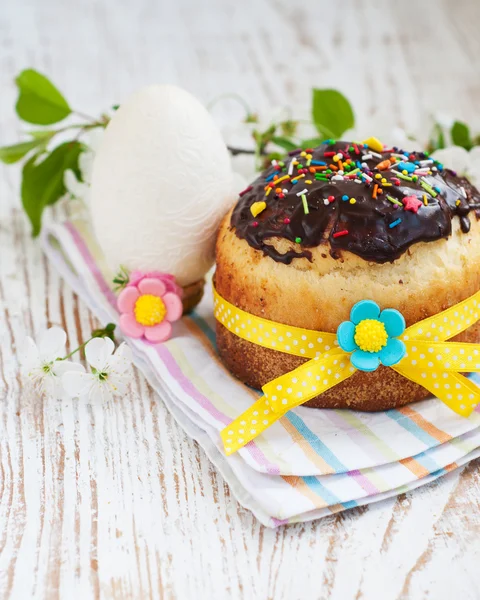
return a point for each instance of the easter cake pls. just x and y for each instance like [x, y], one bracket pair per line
[327, 228]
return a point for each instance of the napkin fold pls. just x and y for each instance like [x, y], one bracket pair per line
[309, 464]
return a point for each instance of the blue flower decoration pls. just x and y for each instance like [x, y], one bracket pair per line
[372, 336]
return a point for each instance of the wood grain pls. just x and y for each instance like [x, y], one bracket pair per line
[114, 501]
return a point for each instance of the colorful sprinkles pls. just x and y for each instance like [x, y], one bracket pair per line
[305, 205]
[395, 223]
[390, 176]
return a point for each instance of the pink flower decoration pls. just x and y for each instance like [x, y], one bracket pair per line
[168, 279]
[149, 304]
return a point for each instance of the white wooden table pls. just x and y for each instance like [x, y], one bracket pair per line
[114, 501]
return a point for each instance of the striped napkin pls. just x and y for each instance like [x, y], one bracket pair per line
[309, 464]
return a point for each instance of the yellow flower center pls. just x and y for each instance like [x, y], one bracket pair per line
[150, 310]
[370, 335]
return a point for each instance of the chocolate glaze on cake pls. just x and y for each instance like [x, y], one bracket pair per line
[392, 200]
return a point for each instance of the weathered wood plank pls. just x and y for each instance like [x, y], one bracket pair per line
[114, 501]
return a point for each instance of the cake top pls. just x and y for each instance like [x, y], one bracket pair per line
[368, 199]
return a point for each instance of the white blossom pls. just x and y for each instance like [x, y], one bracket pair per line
[78, 190]
[107, 374]
[42, 363]
[465, 163]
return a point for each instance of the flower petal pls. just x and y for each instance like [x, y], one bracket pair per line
[77, 188]
[453, 157]
[52, 386]
[365, 309]
[130, 327]
[155, 287]
[365, 361]
[159, 333]
[392, 353]
[345, 336]
[52, 344]
[97, 352]
[394, 322]
[121, 360]
[30, 358]
[60, 367]
[118, 385]
[135, 277]
[101, 392]
[174, 306]
[85, 162]
[127, 298]
[78, 384]
[474, 154]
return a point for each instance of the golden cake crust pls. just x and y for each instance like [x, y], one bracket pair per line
[319, 293]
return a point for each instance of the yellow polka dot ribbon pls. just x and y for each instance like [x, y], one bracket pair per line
[429, 361]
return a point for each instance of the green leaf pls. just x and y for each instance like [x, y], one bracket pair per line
[288, 127]
[284, 143]
[461, 135]
[437, 139]
[121, 278]
[107, 331]
[251, 118]
[312, 142]
[331, 113]
[42, 134]
[39, 101]
[14, 153]
[441, 138]
[42, 183]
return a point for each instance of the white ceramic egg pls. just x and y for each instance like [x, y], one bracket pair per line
[161, 183]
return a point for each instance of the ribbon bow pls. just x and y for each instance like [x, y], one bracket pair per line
[419, 353]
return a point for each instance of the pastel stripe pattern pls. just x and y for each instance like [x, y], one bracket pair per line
[309, 464]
